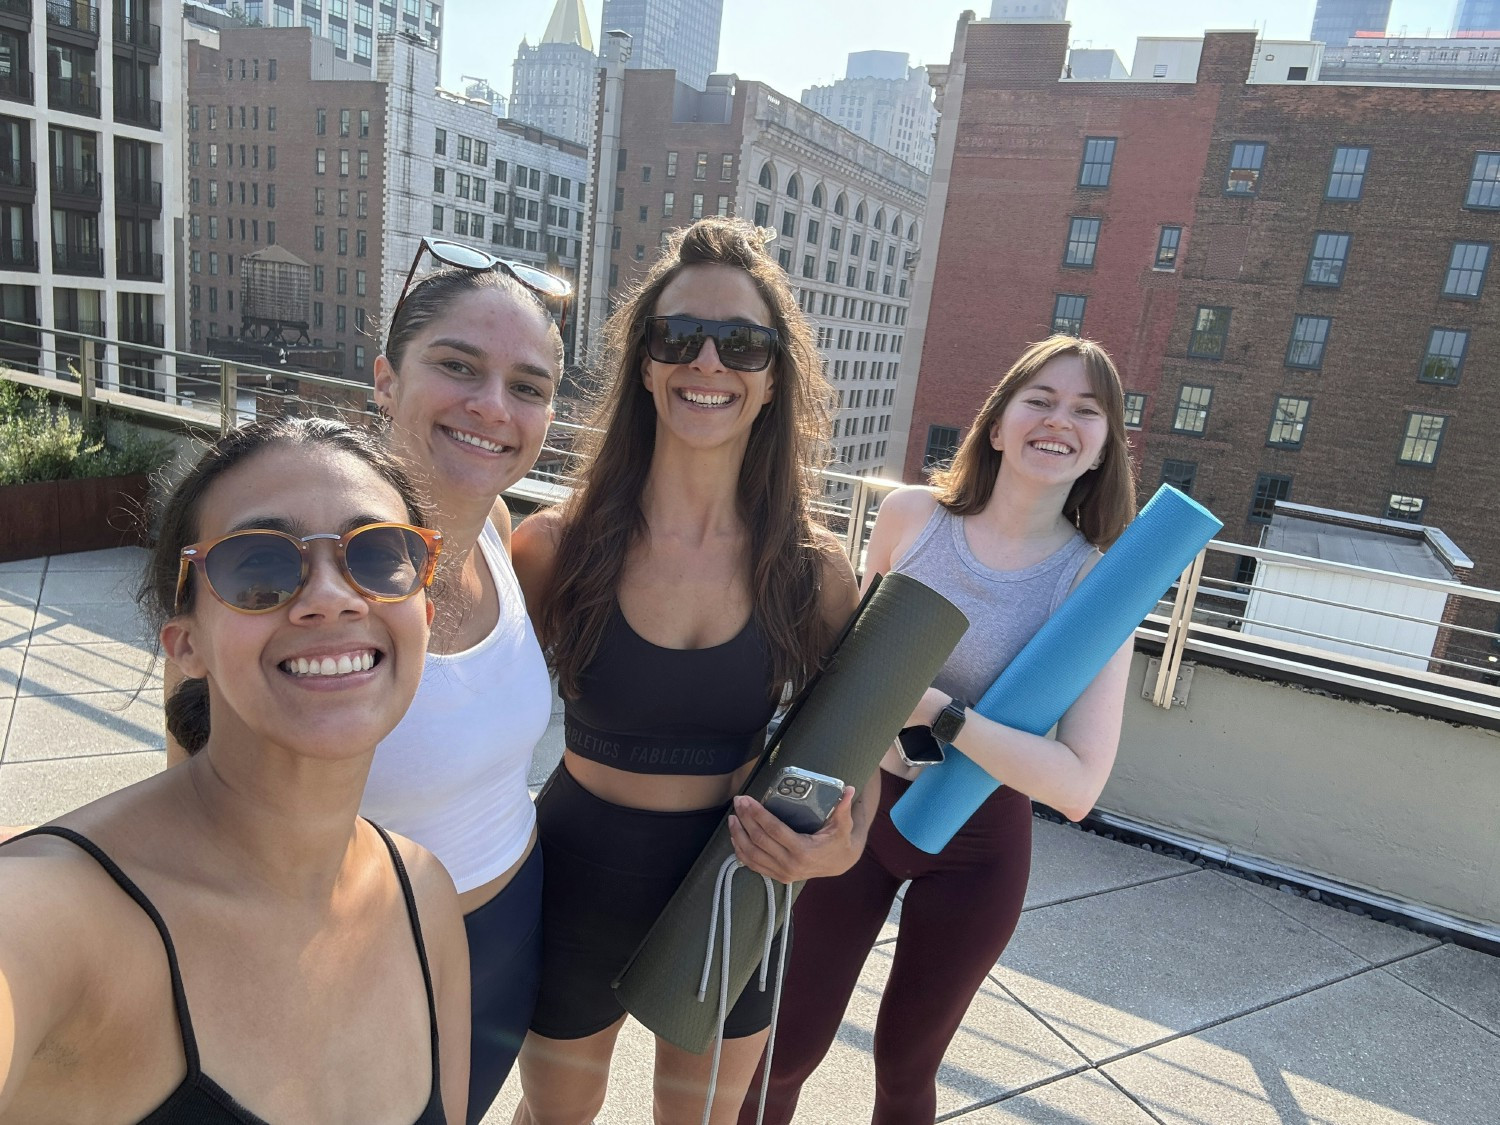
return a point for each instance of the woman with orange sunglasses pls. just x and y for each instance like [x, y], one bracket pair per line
[229, 942]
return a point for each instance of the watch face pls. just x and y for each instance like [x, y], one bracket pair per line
[949, 722]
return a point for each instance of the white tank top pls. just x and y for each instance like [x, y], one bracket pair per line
[452, 775]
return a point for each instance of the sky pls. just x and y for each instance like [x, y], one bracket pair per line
[793, 44]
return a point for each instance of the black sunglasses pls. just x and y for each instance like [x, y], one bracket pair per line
[547, 286]
[741, 347]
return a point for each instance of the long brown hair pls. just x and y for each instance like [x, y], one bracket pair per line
[1102, 501]
[778, 475]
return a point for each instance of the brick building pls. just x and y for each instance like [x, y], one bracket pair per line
[1292, 276]
[285, 148]
[848, 215]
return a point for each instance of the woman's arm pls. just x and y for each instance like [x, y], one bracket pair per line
[761, 841]
[533, 552]
[1067, 772]
[448, 959]
[900, 520]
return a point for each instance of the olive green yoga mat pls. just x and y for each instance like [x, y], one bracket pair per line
[841, 726]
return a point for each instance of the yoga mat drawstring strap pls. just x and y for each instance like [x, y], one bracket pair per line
[723, 903]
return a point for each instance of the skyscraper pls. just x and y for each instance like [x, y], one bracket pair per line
[680, 35]
[884, 100]
[552, 85]
[1477, 15]
[1044, 11]
[1336, 21]
[352, 27]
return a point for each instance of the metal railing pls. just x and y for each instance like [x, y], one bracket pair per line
[18, 254]
[138, 33]
[16, 8]
[18, 174]
[138, 265]
[83, 182]
[136, 109]
[138, 193]
[18, 85]
[142, 332]
[1216, 612]
[73, 16]
[72, 258]
[73, 95]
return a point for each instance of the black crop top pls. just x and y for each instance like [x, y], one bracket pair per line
[647, 709]
[198, 1099]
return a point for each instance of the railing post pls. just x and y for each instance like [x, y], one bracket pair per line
[229, 382]
[854, 535]
[86, 381]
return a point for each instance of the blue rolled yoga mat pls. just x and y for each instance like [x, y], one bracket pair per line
[1064, 656]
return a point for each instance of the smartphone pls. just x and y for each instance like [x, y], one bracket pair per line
[917, 747]
[802, 799]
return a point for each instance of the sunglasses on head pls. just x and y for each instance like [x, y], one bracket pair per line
[260, 570]
[547, 286]
[741, 347]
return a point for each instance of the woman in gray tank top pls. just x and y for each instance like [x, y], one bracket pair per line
[1041, 484]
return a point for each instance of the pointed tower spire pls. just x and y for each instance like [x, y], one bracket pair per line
[569, 24]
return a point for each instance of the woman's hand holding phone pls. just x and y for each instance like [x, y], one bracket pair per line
[764, 844]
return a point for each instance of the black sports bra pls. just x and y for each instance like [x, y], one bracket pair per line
[647, 709]
[198, 1099]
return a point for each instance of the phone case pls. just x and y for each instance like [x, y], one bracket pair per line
[803, 800]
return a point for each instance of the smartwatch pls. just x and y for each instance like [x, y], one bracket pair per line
[949, 722]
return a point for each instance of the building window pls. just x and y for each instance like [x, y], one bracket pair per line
[700, 167]
[1288, 421]
[812, 231]
[1466, 269]
[1444, 361]
[1083, 240]
[1135, 409]
[726, 167]
[437, 216]
[1181, 475]
[1346, 179]
[762, 214]
[1269, 488]
[1167, 243]
[697, 205]
[671, 164]
[942, 444]
[1484, 182]
[1309, 336]
[1192, 409]
[1098, 162]
[1401, 507]
[723, 207]
[1067, 314]
[440, 142]
[1210, 332]
[809, 266]
[668, 204]
[1330, 253]
[784, 257]
[789, 224]
[1246, 159]
[320, 161]
[1424, 434]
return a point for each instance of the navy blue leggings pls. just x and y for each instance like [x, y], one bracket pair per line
[505, 968]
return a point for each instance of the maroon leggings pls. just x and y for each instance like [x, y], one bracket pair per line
[957, 916]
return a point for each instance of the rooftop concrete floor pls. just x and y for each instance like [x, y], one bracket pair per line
[1137, 989]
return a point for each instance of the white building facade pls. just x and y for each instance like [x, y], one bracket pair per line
[884, 100]
[91, 186]
[552, 84]
[353, 25]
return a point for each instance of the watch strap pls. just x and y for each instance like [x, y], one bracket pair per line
[949, 721]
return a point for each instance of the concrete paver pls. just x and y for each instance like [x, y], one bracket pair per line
[1464, 979]
[11, 658]
[1375, 941]
[85, 587]
[111, 558]
[1081, 1098]
[72, 623]
[20, 588]
[100, 723]
[37, 791]
[78, 669]
[1116, 972]
[1069, 863]
[1365, 1051]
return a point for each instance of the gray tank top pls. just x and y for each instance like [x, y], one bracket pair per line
[1004, 607]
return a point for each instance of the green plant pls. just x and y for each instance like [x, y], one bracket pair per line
[40, 441]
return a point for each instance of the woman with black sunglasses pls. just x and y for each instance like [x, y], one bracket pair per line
[228, 942]
[680, 591]
[465, 384]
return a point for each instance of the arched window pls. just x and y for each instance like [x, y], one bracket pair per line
[880, 219]
[794, 187]
[859, 213]
[911, 231]
[817, 196]
[896, 225]
[839, 204]
[767, 176]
